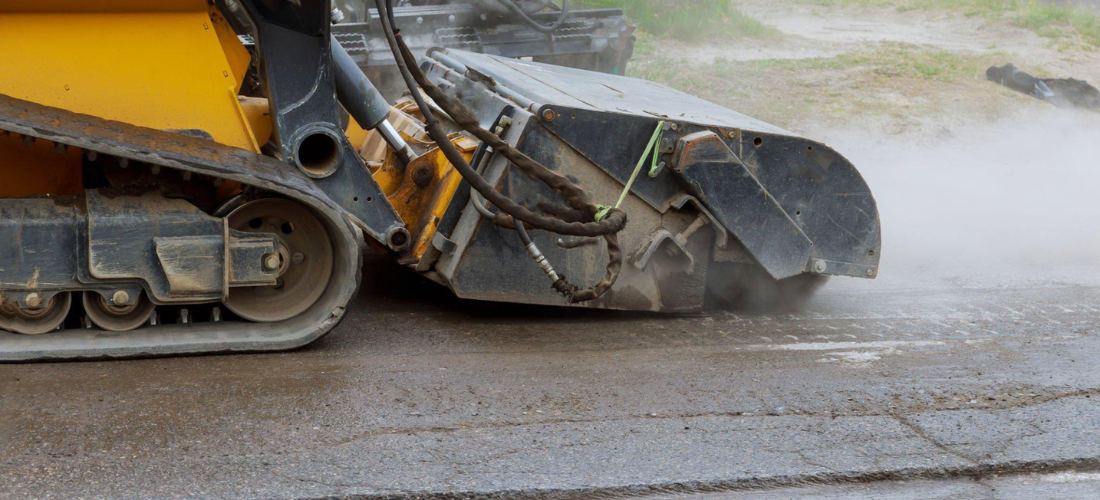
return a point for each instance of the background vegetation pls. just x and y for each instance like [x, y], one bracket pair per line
[688, 20]
[1064, 23]
[702, 20]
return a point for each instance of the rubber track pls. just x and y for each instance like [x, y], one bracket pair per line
[199, 156]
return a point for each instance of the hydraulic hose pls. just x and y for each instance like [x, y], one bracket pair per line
[574, 195]
[558, 281]
[614, 222]
[406, 63]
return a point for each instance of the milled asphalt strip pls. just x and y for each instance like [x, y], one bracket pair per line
[742, 453]
[699, 488]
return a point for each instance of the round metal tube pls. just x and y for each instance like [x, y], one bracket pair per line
[364, 102]
[390, 135]
[355, 91]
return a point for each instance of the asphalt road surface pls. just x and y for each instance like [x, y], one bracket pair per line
[421, 393]
[968, 369]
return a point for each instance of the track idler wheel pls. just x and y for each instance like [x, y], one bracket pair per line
[304, 262]
[36, 320]
[115, 318]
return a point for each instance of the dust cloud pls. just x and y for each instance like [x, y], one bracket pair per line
[985, 204]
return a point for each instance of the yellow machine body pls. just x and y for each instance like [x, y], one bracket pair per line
[168, 64]
[421, 205]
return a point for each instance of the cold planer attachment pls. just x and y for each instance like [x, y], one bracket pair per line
[729, 190]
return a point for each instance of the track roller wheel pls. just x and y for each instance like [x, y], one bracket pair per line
[108, 316]
[38, 320]
[305, 257]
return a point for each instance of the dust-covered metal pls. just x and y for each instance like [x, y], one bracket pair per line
[592, 39]
[768, 198]
[302, 260]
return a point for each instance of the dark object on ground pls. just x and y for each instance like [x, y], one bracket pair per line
[1061, 92]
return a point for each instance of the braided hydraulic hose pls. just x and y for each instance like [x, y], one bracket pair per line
[510, 210]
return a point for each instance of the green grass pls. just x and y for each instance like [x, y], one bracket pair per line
[892, 61]
[893, 80]
[1050, 21]
[688, 20]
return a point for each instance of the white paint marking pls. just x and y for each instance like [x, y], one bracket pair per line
[829, 346]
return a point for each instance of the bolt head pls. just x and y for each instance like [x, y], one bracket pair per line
[820, 266]
[271, 262]
[34, 300]
[422, 177]
[548, 114]
[870, 273]
[120, 298]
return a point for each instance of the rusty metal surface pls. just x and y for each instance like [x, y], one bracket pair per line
[203, 157]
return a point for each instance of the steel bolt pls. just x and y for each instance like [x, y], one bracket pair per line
[548, 114]
[337, 15]
[271, 262]
[820, 266]
[422, 177]
[120, 298]
[870, 273]
[731, 134]
[34, 300]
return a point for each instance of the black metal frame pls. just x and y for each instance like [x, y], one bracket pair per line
[296, 74]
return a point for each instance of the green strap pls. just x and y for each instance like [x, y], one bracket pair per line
[654, 143]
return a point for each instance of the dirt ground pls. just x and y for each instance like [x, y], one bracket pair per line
[915, 73]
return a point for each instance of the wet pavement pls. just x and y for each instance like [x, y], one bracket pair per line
[968, 369]
[418, 392]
